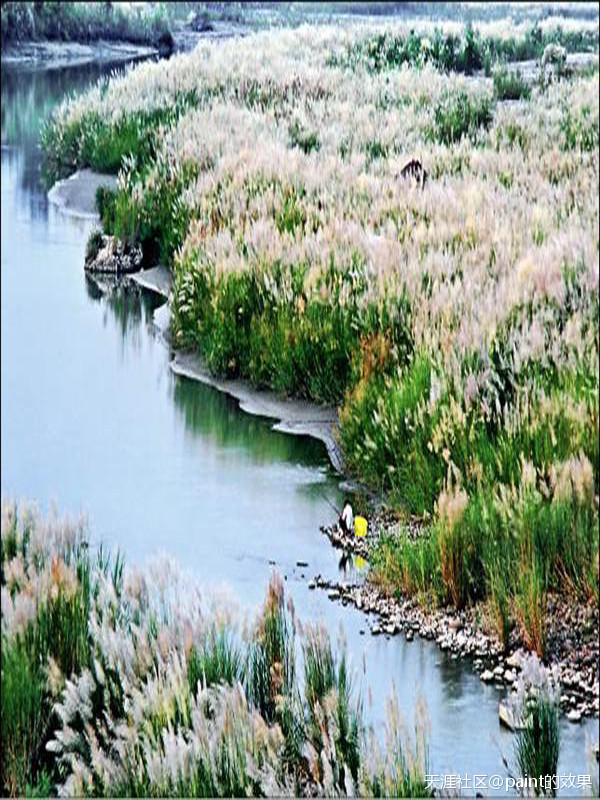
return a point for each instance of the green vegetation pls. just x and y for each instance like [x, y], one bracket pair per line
[449, 52]
[454, 323]
[458, 115]
[509, 85]
[512, 550]
[114, 684]
[537, 745]
[83, 22]
[579, 131]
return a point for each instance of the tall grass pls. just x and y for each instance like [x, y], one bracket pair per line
[537, 745]
[83, 22]
[508, 550]
[453, 321]
[127, 683]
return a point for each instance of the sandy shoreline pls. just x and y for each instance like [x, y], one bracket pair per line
[76, 195]
[54, 55]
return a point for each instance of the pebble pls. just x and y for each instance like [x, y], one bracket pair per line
[461, 633]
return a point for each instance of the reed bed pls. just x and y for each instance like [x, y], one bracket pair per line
[122, 682]
[453, 319]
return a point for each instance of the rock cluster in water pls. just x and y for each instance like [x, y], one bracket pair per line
[110, 255]
[572, 629]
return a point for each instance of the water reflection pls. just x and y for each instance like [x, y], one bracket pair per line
[28, 98]
[207, 412]
[129, 307]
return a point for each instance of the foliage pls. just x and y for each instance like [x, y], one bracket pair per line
[129, 683]
[446, 51]
[458, 116]
[83, 22]
[454, 321]
[538, 744]
[510, 85]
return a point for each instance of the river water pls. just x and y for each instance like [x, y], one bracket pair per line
[94, 420]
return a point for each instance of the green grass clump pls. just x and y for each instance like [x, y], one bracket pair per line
[217, 661]
[328, 690]
[510, 85]
[537, 746]
[579, 131]
[306, 140]
[460, 115]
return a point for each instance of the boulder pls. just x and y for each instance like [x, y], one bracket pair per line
[109, 255]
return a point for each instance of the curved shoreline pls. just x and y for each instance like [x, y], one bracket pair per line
[297, 417]
[56, 54]
[452, 631]
[76, 195]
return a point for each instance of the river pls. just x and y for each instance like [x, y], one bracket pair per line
[94, 420]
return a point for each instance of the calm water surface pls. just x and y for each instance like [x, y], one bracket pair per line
[93, 419]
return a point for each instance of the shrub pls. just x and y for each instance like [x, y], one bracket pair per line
[460, 115]
[306, 140]
[509, 85]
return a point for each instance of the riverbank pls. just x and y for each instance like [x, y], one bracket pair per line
[54, 55]
[573, 647]
[173, 462]
[76, 195]
[427, 310]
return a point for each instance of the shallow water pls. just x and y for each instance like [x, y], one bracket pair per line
[93, 419]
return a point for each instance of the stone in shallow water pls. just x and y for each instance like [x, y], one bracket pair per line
[507, 716]
[106, 254]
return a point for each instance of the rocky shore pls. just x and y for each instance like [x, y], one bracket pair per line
[572, 628]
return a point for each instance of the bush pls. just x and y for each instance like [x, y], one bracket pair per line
[460, 115]
[509, 85]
